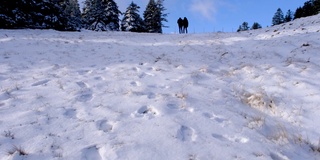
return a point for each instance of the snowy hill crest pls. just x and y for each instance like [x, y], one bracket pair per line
[87, 95]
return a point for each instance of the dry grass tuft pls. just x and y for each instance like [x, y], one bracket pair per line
[19, 150]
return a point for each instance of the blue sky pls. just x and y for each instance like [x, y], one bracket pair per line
[217, 15]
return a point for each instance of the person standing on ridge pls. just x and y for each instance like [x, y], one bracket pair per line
[185, 25]
[180, 24]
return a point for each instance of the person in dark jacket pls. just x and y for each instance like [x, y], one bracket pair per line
[180, 24]
[185, 25]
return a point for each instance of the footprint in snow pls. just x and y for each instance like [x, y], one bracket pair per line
[91, 153]
[237, 139]
[146, 111]
[135, 83]
[219, 137]
[185, 133]
[104, 125]
[219, 119]
[173, 106]
[83, 72]
[70, 113]
[98, 78]
[4, 96]
[181, 107]
[151, 95]
[278, 156]
[85, 94]
[137, 69]
[143, 75]
[43, 83]
[82, 84]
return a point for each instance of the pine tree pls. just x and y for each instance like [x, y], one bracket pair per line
[15, 14]
[132, 21]
[112, 15]
[149, 17]
[93, 16]
[308, 9]
[154, 16]
[7, 9]
[288, 16]
[48, 15]
[101, 15]
[256, 26]
[161, 16]
[278, 17]
[316, 4]
[298, 13]
[73, 15]
[243, 27]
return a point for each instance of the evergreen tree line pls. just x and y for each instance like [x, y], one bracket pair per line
[245, 26]
[65, 15]
[42, 14]
[311, 7]
[278, 18]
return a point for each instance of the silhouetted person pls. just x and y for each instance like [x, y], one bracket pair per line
[180, 24]
[185, 25]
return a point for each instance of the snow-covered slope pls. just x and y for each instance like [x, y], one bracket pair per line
[88, 95]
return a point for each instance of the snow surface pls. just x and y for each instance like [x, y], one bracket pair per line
[104, 96]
